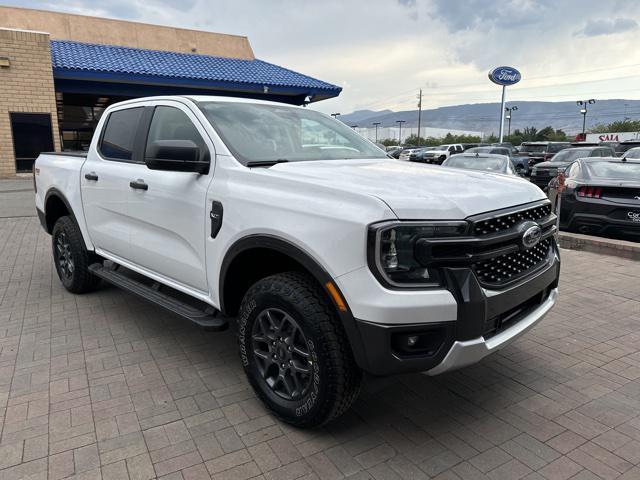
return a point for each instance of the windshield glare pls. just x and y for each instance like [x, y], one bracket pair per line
[262, 132]
[622, 170]
[570, 155]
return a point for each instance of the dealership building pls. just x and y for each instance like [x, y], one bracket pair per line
[58, 72]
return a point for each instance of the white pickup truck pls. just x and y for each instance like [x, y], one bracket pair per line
[331, 259]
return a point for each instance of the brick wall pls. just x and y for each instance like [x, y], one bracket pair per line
[25, 86]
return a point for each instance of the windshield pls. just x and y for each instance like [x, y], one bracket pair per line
[480, 150]
[570, 155]
[262, 133]
[622, 170]
[476, 163]
[533, 148]
[633, 153]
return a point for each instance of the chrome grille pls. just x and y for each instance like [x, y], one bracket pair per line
[509, 267]
[505, 222]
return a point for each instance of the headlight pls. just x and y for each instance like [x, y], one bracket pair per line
[392, 251]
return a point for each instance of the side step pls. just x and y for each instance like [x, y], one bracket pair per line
[207, 319]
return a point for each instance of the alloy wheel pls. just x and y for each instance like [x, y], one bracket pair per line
[64, 256]
[281, 354]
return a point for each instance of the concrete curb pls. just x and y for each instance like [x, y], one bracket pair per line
[604, 246]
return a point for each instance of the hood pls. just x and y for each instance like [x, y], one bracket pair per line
[416, 191]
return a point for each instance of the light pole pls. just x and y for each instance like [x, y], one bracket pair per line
[376, 125]
[509, 110]
[335, 115]
[583, 111]
[400, 122]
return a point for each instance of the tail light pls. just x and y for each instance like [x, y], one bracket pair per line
[590, 192]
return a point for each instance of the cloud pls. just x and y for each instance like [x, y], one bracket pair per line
[607, 26]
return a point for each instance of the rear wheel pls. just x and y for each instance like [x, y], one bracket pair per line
[295, 352]
[71, 258]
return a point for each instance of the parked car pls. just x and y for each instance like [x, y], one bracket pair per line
[437, 155]
[395, 151]
[481, 161]
[520, 164]
[331, 258]
[602, 197]
[536, 152]
[543, 172]
[413, 154]
[632, 153]
[624, 146]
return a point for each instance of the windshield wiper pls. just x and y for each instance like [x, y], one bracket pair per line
[266, 163]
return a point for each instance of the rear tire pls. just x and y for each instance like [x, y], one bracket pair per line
[71, 258]
[295, 352]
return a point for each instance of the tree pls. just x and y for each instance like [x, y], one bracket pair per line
[615, 127]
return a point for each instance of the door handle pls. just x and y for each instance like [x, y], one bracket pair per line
[91, 176]
[139, 185]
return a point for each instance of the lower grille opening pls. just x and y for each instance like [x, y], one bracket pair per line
[499, 323]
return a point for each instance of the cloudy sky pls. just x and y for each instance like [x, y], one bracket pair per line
[382, 51]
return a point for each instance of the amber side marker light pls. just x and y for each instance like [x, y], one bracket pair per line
[335, 295]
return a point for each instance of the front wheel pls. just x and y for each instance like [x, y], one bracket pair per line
[71, 258]
[295, 352]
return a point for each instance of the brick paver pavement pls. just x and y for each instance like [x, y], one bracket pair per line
[106, 386]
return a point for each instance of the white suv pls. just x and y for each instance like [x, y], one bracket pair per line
[437, 155]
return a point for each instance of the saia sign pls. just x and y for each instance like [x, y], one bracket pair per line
[505, 76]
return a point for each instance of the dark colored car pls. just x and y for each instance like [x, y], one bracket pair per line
[536, 152]
[485, 162]
[543, 172]
[602, 196]
[395, 152]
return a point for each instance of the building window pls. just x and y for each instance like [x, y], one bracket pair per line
[32, 134]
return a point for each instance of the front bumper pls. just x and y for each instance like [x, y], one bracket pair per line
[478, 322]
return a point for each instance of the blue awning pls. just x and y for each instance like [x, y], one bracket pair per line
[76, 65]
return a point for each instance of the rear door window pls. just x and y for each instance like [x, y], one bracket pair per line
[118, 137]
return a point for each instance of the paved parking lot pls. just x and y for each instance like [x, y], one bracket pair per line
[106, 386]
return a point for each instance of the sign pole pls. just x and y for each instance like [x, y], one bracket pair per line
[504, 89]
[504, 76]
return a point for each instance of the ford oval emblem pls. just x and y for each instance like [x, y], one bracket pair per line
[505, 76]
[531, 236]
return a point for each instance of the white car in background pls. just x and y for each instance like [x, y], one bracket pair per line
[632, 153]
[437, 155]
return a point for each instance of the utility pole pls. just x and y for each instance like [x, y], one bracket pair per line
[583, 111]
[400, 122]
[509, 111]
[419, 114]
[376, 125]
[335, 115]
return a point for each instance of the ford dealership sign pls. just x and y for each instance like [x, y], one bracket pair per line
[505, 76]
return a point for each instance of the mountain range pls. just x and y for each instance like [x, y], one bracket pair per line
[485, 117]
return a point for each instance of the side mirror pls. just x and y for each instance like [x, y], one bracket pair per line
[177, 156]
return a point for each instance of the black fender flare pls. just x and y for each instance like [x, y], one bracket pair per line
[54, 192]
[310, 264]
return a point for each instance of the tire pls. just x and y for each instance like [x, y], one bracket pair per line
[333, 380]
[71, 258]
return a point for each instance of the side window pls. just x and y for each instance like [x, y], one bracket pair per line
[170, 123]
[459, 148]
[452, 149]
[119, 134]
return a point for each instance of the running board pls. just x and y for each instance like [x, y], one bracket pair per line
[207, 319]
